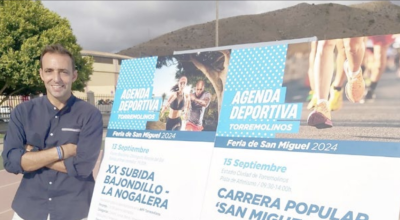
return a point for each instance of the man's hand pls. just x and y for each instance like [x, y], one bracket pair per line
[69, 150]
[28, 147]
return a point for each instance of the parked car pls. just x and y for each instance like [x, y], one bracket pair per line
[105, 106]
[5, 112]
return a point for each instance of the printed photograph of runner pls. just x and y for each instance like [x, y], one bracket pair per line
[190, 87]
[349, 87]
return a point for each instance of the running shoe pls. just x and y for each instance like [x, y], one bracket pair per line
[335, 99]
[320, 117]
[355, 86]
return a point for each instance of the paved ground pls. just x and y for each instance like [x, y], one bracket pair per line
[377, 121]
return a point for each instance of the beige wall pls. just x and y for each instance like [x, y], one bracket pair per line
[103, 80]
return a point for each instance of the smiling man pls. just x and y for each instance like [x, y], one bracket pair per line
[54, 141]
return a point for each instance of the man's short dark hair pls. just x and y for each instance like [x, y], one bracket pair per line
[59, 49]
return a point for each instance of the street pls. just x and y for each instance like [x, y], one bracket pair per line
[377, 121]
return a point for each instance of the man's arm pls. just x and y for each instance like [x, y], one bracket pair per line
[203, 102]
[32, 161]
[14, 146]
[15, 156]
[16, 159]
[58, 166]
[88, 147]
[14, 143]
[69, 150]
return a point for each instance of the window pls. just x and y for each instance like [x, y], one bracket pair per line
[103, 60]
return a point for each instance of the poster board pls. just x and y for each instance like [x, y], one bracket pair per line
[255, 156]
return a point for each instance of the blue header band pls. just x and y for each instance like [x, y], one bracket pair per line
[364, 148]
[204, 136]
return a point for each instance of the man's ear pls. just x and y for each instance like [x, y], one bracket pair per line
[74, 75]
[41, 73]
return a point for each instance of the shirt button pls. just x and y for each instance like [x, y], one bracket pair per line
[50, 183]
[55, 108]
[49, 199]
[51, 134]
[56, 116]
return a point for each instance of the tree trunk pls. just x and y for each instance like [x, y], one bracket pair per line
[216, 77]
[6, 97]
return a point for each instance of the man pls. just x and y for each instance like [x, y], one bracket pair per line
[199, 102]
[54, 141]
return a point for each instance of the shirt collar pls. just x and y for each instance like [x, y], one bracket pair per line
[52, 109]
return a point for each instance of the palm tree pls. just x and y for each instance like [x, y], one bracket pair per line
[163, 96]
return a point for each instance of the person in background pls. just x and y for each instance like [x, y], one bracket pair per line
[354, 49]
[178, 104]
[199, 102]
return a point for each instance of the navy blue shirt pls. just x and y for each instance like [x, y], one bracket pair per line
[45, 191]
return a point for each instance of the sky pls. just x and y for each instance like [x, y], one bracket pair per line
[164, 80]
[112, 26]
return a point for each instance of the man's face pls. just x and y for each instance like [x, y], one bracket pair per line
[58, 75]
[199, 89]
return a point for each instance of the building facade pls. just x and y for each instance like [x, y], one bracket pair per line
[103, 80]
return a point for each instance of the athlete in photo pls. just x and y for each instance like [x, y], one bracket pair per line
[336, 92]
[381, 44]
[354, 49]
[177, 103]
[311, 96]
[199, 101]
